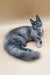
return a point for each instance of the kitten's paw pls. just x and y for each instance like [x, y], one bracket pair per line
[40, 44]
[24, 45]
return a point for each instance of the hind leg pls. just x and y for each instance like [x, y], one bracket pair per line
[22, 43]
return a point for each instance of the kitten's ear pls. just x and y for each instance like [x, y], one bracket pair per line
[32, 21]
[38, 18]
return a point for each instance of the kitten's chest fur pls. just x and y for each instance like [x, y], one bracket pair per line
[35, 32]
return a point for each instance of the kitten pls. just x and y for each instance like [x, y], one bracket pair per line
[16, 40]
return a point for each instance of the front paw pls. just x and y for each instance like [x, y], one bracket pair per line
[39, 44]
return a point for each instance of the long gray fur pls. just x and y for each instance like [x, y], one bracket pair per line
[17, 38]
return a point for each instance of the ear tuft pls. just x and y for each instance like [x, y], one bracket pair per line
[38, 18]
[32, 21]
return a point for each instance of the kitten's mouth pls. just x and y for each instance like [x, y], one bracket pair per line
[37, 28]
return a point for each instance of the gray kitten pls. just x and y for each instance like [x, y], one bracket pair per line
[16, 40]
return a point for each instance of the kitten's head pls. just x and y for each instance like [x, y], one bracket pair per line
[36, 24]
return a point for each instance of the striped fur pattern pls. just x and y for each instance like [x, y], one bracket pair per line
[17, 39]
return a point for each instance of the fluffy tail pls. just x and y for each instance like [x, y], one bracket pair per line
[22, 53]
